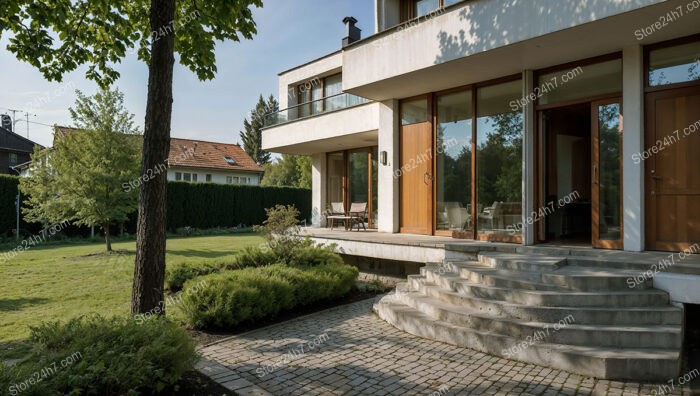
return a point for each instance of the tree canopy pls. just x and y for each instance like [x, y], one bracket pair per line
[251, 136]
[81, 178]
[57, 37]
[288, 171]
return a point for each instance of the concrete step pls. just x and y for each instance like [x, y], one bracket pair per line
[570, 278]
[565, 330]
[601, 362]
[514, 261]
[565, 299]
[523, 280]
[666, 315]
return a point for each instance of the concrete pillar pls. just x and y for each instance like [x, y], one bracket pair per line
[318, 190]
[528, 158]
[633, 142]
[388, 185]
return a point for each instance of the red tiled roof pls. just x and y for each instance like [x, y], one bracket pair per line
[209, 155]
[61, 131]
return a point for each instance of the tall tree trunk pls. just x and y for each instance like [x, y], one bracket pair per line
[108, 239]
[149, 271]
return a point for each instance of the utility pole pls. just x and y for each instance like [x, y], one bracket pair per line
[15, 121]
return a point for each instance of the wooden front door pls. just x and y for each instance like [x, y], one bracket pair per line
[671, 163]
[416, 178]
[606, 172]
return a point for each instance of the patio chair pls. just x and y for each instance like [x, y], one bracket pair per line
[338, 213]
[491, 214]
[457, 215]
[358, 214]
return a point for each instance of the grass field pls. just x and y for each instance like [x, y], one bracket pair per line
[58, 282]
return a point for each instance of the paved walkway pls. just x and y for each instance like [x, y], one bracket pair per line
[348, 350]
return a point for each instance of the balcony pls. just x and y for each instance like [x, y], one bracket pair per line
[339, 122]
[314, 108]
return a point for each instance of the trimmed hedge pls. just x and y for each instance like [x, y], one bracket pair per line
[103, 356]
[197, 205]
[233, 298]
[8, 197]
[203, 205]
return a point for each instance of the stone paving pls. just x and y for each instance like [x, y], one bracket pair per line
[348, 350]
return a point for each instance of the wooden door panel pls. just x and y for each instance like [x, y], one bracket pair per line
[416, 179]
[671, 170]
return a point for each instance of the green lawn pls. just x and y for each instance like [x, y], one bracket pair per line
[58, 282]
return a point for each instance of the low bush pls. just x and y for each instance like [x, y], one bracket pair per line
[238, 297]
[93, 355]
[305, 252]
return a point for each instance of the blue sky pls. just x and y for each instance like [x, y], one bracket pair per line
[290, 33]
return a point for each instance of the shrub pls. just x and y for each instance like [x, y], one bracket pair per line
[243, 296]
[109, 357]
[178, 274]
[305, 253]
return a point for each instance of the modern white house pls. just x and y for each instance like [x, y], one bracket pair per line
[492, 133]
[211, 162]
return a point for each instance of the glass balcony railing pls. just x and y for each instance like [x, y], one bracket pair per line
[315, 107]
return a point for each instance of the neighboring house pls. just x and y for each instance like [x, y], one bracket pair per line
[15, 151]
[462, 118]
[210, 162]
[502, 121]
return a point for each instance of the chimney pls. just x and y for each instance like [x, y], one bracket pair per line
[352, 32]
[6, 122]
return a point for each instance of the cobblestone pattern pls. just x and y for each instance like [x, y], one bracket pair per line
[363, 355]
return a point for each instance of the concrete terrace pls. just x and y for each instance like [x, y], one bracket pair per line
[644, 260]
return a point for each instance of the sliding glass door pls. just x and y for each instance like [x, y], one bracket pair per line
[453, 163]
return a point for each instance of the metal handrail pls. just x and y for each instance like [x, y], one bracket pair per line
[311, 108]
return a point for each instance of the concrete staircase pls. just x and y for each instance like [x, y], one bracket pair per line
[542, 310]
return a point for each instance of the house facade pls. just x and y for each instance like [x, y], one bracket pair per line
[210, 162]
[15, 150]
[529, 122]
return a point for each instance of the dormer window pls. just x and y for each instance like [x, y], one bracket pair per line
[230, 161]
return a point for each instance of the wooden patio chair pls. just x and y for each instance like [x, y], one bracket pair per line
[338, 213]
[358, 214]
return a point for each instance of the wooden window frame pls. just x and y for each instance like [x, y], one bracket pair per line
[432, 118]
[407, 9]
[667, 44]
[345, 179]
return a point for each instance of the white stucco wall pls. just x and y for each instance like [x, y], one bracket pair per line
[476, 27]
[388, 185]
[320, 128]
[633, 142]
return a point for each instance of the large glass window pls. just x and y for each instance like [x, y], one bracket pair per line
[610, 178]
[375, 196]
[578, 82]
[414, 111]
[358, 174]
[499, 160]
[453, 161]
[304, 99]
[674, 64]
[424, 7]
[316, 95]
[336, 173]
[333, 86]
